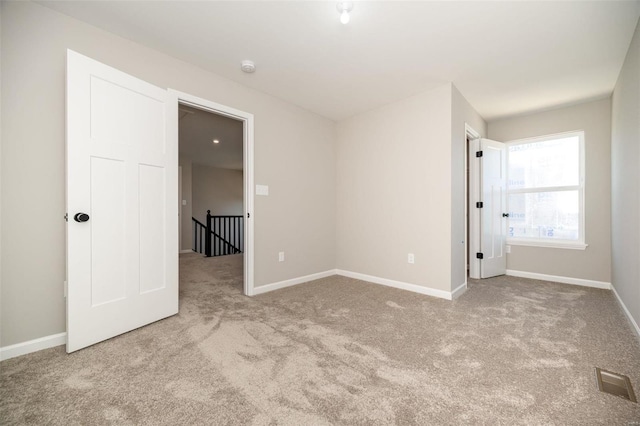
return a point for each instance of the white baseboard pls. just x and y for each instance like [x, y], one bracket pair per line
[293, 281]
[626, 311]
[33, 346]
[398, 284]
[369, 278]
[186, 251]
[559, 279]
[459, 291]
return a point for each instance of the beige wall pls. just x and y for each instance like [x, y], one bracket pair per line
[625, 180]
[294, 155]
[218, 190]
[394, 191]
[461, 113]
[594, 118]
[186, 211]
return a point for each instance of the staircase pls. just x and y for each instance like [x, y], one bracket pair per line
[219, 236]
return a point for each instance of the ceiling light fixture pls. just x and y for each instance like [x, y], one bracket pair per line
[344, 7]
[216, 141]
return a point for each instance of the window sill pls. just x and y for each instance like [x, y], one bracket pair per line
[549, 244]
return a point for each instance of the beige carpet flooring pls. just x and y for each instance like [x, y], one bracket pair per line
[341, 351]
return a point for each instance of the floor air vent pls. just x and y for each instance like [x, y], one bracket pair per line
[615, 384]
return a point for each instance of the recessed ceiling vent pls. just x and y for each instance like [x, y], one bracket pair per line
[248, 66]
[615, 384]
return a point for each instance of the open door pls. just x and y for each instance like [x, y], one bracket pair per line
[489, 224]
[122, 182]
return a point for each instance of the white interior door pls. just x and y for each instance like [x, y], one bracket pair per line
[474, 197]
[179, 209]
[122, 160]
[493, 222]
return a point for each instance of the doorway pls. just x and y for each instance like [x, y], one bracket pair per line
[216, 201]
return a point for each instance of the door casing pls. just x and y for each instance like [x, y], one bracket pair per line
[181, 98]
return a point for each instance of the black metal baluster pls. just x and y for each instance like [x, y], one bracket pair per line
[235, 233]
[208, 240]
[218, 233]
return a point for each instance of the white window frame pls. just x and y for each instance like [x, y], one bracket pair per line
[580, 243]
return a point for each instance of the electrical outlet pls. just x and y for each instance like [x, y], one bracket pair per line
[411, 258]
[508, 249]
[281, 256]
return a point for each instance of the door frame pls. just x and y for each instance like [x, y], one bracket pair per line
[176, 98]
[472, 222]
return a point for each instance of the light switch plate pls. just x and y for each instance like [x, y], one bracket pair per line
[262, 189]
[184, 202]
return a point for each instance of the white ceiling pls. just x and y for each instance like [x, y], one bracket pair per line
[505, 57]
[198, 129]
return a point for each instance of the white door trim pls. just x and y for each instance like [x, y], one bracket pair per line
[193, 101]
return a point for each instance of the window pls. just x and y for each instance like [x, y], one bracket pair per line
[546, 191]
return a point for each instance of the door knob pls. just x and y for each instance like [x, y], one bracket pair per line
[505, 214]
[81, 217]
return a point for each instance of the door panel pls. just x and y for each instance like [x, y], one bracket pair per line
[493, 235]
[122, 116]
[122, 264]
[152, 228]
[108, 222]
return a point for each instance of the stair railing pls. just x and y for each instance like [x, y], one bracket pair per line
[220, 236]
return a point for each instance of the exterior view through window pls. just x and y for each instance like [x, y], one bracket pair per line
[546, 191]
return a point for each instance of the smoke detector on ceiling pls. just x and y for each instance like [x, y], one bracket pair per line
[248, 66]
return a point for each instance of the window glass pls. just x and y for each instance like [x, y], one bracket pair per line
[545, 215]
[545, 164]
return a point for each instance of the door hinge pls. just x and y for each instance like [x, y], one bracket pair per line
[479, 204]
[248, 215]
[66, 217]
[479, 256]
[478, 153]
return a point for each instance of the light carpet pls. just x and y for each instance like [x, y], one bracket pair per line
[337, 350]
